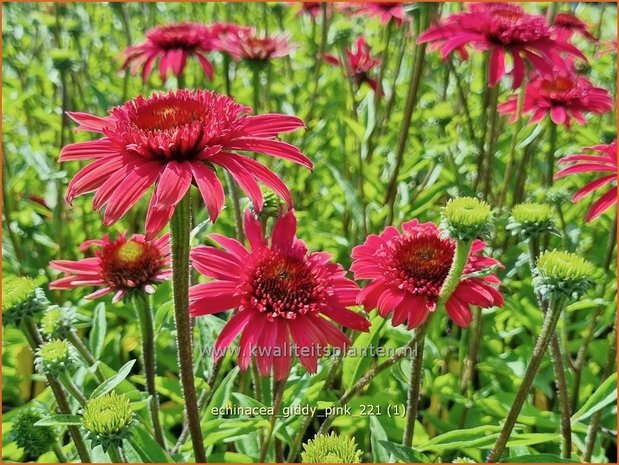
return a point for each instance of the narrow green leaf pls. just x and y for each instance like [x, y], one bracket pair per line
[114, 381]
[59, 420]
[145, 445]
[99, 329]
[603, 396]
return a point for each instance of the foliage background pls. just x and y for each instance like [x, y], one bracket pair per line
[439, 163]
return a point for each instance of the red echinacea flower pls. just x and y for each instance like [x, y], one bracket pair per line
[172, 45]
[248, 45]
[359, 63]
[565, 25]
[122, 266]
[407, 271]
[502, 29]
[171, 140]
[563, 95]
[604, 163]
[384, 11]
[281, 291]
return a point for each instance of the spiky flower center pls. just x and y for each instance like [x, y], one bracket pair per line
[564, 266]
[54, 350]
[284, 286]
[532, 213]
[418, 264]
[129, 264]
[166, 114]
[258, 48]
[512, 26]
[558, 85]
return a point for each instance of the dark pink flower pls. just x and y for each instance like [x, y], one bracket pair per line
[220, 29]
[606, 164]
[281, 292]
[122, 266]
[502, 29]
[563, 95]
[384, 11]
[171, 140]
[566, 25]
[407, 272]
[172, 45]
[359, 63]
[248, 45]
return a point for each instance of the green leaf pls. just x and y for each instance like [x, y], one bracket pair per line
[538, 458]
[230, 457]
[355, 366]
[99, 329]
[604, 395]
[378, 435]
[60, 420]
[145, 445]
[222, 394]
[403, 453]
[114, 381]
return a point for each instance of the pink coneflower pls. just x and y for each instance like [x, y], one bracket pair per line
[359, 63]
[281, 292]
[605, 163]
[384, 11]
[502, 29]
[172, 45]
[248, 45]
[563, 95]
[407, 271]
[122, 266]
[171, 140]
[219, 29]
[566, 25]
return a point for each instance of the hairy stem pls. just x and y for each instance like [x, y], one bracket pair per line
[179, 226]
[145, 316]
[278, 392]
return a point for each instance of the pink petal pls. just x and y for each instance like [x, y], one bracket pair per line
[88, 122]
[253, 230]
[593, 185]
[602, 204]
[271, 124]
[284, 231]
[231, 245]
[229, 332]
[272, 147]
[496, 65]
[174, 181]
[210, 188]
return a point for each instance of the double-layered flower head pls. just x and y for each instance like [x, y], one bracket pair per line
[501, 29]
[281, 291]
[562, 95]
[384, 11]
[249, 45]
[172, 46]
[170, 140]
[121, 266]
[407, 271]
[606, 164]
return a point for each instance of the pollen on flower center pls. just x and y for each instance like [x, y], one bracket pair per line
[421, 264]
[130, 264]
[284, 287]
[161, 115]
[557, 85]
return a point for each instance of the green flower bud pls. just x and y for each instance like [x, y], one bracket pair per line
[35, 440]
[107, 419]
[272, 206]
[463, 460]
[331, 449]
[466, 218]
[64, 60]
[57, 322]
[557, 195]
[531, 219]
[560, 273]
[54, 357]
[21, 298]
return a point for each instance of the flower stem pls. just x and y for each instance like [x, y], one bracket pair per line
[70, 386]
[491, 139]
[34, 338]
[278, 392]
[512, 149]
[81, 348]
[411, 103]
[550, 322]
[114, 453]
[179, 227]
[461, 256]
[58, 452]
[550, 155]
[412, 400]
[256, 86]
[324, 31]
[145, 316]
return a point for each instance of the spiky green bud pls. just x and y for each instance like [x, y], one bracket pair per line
[560, 273]
[57, 322]
[64, 60]
[463, 460]
[107, 419]
[333, 448]
[531, 219]
[272, 207]
[557, 195]
[466, 218]
[54, 357]
[21, 298]
[35, 440]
